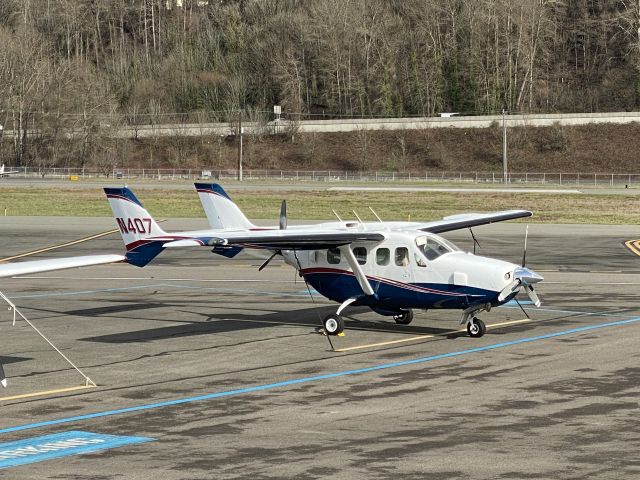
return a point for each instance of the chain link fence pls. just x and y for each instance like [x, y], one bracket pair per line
[515, 178]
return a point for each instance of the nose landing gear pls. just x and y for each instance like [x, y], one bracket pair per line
[476, 328]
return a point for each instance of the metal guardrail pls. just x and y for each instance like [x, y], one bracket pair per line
[515, 178]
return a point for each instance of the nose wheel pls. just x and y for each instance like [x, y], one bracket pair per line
[476, 328]
[333, 324]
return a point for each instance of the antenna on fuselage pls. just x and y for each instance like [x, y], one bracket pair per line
[359, 219]
[379, 219]
[337, 216]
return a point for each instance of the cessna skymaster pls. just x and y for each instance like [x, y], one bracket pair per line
[390, 267]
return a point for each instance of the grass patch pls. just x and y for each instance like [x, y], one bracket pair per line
[317, 205]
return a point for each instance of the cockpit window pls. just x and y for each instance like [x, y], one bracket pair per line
[432, 248]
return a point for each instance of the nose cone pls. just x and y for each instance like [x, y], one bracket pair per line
[526, 276]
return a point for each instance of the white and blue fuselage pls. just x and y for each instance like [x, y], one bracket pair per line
[408, 270]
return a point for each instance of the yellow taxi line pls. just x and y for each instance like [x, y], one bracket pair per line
[46, 392]
[421, 337]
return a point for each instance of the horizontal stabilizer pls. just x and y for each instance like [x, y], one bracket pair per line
[183, 243]
[38, 266]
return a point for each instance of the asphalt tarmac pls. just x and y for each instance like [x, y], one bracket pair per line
[222, 366]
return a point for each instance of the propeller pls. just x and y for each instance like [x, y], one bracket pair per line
[283, 215]
[283, 226]
[525, 278]
[524, 252]
[475, 241]
[266, 262]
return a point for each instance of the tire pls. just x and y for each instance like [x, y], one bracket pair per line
[333, 324]
[476, 328]
[404, 318]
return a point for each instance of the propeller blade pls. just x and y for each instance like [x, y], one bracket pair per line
[266, 262]
[283, 215]
[533, 295]
[522, 308]
[524, 252]
[3, 378]
[475, 241]
[509, 289]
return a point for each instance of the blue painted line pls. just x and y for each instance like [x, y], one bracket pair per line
[86, 292]
[522, 302]
[160, 285]
[302, 293]
[558, 310]
[47, 447]
[316, 378]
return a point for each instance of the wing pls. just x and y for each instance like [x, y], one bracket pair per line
[281, 239]
[468, 220]
[37, 266]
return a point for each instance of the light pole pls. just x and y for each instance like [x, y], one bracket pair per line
[240, 146]
[504, 148]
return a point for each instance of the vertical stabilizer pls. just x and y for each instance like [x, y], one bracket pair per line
[138, 229]
[222, 213]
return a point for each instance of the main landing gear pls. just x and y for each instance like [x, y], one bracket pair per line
[404, 318]
[333, 324]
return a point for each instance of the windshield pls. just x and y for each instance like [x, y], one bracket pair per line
[432, 248]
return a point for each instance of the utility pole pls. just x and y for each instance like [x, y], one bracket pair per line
[240, 146]
[504, 148]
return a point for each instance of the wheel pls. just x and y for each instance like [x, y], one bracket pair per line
[333, 324]
[404, 318]
[476, 328]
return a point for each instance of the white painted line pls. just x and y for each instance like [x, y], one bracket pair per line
[159, 279]
[440, 189]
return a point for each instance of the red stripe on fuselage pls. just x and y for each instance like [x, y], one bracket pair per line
[388, 281]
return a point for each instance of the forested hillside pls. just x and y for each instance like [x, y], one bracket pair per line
[92, 65]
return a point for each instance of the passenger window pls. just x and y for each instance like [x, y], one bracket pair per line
[402, 256]
[361, 255]
[333, 256]
[382, 256]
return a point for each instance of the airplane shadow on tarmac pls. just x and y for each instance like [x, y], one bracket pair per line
[310, 317]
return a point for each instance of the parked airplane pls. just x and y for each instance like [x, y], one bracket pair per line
[38, 266]
[6, 173]
[390, 267]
